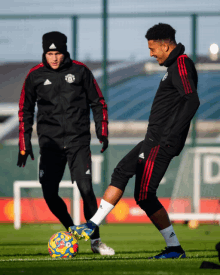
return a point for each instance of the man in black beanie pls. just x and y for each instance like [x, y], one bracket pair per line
[64, 90]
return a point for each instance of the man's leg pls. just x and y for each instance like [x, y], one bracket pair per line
[125, 169]
[160, 219]
[52, 166]
[89, 201]
[150, 172]
[79, 160]
[90, 208]
[56, 205]
[111, 196]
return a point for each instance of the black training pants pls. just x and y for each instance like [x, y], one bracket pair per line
[52, 166]
[148, 164]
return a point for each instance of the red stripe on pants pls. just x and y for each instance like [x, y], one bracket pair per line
[151, 170]
[145, 173]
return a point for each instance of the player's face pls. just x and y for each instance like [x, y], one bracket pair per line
[158, 50]
[54, 59]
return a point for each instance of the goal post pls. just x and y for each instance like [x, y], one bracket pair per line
[18, 185]
[194, 182]
[35, 184]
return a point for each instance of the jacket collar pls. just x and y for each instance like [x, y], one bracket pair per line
[66, 63]
[174, 54]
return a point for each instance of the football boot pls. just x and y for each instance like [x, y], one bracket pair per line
[83, 231]
[171, 252]
[102, 248]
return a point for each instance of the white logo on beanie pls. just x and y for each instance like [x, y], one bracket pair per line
[52, 46]
[70, 78]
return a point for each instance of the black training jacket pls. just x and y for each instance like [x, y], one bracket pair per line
[64, 97]
[175, 103]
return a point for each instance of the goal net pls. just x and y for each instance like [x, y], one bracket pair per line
[196, 191]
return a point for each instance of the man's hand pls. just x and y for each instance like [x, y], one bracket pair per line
[104, 141]
[22, 157]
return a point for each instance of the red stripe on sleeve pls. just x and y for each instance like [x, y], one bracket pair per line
[102, 101]
[181, 73]
[79, 63]
[22, 146]
[186, 76]
[104, 110]
[98, 89]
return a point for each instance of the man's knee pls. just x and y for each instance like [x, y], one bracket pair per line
[150, 205]
[49, 192]
[120, 178]
[85, 187]
[88, 196]
[50, 198]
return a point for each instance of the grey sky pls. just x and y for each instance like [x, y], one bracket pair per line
[21, 39]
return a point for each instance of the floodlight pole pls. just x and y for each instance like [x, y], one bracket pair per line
[194, 58]
[105, 79]
[74, 36]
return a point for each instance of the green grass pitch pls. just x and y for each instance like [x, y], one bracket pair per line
[25, 251]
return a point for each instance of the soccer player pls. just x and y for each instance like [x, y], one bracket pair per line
[64, 90]
[174, 105]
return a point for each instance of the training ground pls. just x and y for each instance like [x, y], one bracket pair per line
[25, 251]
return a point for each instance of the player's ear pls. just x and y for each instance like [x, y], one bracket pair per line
[166, 46]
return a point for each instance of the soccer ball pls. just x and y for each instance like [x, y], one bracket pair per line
[63, 245]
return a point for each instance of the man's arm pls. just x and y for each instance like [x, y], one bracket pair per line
[185, 81]
[99, 108]
[26, 118]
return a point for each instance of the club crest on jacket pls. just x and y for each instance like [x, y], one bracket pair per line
[70, 78]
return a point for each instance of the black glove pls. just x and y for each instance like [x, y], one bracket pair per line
[22, 157]
[104, 141]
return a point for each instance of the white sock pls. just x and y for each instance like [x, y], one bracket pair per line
[94, 240]
[170, 236]
[104, 209]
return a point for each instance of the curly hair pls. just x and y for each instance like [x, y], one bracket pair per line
[161, 31]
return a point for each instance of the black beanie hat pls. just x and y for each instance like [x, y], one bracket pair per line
[55, 41]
